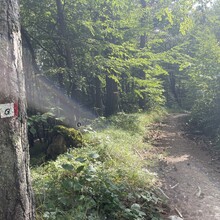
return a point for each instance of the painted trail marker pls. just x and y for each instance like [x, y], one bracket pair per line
[7, 110]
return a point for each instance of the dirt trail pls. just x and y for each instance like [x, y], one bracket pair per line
[190, 176]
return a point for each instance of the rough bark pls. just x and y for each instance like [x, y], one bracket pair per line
[16, 197]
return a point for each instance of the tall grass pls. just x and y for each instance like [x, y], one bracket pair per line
[106, 179]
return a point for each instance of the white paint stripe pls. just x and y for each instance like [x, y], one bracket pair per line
[7, 110]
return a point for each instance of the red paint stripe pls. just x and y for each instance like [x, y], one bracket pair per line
[16, 109]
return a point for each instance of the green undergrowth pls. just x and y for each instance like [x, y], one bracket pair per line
[106, 179]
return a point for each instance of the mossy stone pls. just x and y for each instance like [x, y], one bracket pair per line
[73, 138]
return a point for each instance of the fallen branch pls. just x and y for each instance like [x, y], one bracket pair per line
[166, 196]
[179, 213]
[172, 187]
[199, 192]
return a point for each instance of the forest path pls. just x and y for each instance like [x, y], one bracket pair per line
[189, 174]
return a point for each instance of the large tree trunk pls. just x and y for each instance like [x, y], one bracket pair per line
[16, 197]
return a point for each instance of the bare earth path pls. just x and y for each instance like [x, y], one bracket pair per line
[190, 175]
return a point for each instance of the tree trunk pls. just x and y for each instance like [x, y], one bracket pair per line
[143, 40]
[64, 33]
[112, 96]
[98, 97]
[64, 37]
[174, 88]
[15, 186]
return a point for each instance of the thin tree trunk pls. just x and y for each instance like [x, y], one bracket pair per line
[174, 89]
[62, 30]
[16, 197]
[63, 33]
[98, 96]
[143, 40]
[112, 96]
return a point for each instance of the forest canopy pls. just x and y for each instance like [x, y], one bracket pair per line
[107, 55]
[111, 56]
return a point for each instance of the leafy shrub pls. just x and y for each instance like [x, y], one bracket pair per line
[83, 188]
[205, 116]
[40, 125]
[127, 122]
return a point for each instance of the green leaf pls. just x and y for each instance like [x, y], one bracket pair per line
[94, 155]
[169, 15]
[186, 25]
[33, 130]
[147, 198]
[80, 168]
[135, 206]
[91, 169]
[81, 159]
[67, 166]
[114, 78]
[69, 156]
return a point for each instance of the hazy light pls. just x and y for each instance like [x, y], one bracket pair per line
[47, 96]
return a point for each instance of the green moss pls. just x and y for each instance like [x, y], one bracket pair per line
[72, 137]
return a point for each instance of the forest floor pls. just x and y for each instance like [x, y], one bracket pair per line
[189, 172]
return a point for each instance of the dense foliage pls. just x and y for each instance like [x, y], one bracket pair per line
[107, 55]
[202, 73]
[110, 56]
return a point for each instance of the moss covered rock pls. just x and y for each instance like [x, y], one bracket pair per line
[72, 137]
[62, 139]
